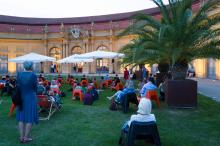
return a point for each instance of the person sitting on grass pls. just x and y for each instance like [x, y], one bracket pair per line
[143, 115]
[95, 83]
[78, 87]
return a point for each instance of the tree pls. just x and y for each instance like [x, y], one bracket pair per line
[177, 39]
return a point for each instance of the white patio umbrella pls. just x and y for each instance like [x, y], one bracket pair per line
[36, 58]
[74, 59]
[32, 57]
[101, 54]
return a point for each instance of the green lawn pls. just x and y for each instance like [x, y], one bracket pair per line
[80, 125]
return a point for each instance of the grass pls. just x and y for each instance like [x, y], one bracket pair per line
[80, 125]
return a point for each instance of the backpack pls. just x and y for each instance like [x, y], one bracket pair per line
[95, 95]
[113, 105]
[16, 98]
[87, 99]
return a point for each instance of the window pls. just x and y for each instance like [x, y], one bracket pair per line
[56, 53]
[3, 64]
[77, 50]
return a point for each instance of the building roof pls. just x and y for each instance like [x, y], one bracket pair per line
[75, 20]
[25, 25]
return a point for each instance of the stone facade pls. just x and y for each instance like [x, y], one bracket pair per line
[63, 37]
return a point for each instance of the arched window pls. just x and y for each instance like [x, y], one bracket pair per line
[77, 50]
[102, 48]
[56, 53]
[77, 67]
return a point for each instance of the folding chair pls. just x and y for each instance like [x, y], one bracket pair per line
[152, 95]
[140, 130]
[47, 104]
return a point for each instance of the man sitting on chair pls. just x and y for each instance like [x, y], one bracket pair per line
[148, 86]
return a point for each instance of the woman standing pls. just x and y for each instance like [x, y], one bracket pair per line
[27, 83]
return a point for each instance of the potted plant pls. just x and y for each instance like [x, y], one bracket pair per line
[177, 39]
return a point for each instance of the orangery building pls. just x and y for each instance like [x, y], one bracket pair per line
[62, 37]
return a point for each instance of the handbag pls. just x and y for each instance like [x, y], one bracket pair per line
[16, 97]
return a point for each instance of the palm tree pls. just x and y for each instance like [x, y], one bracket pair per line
[177, 39]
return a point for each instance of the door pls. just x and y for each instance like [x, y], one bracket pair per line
[211, 69]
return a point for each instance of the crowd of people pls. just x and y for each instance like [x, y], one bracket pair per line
[84, 89]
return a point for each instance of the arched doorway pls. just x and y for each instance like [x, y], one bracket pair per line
[77, 67]
[102, 65]
[56, 53]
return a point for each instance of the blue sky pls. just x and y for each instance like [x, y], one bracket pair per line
[70, 8]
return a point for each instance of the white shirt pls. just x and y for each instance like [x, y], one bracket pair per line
[142, 118]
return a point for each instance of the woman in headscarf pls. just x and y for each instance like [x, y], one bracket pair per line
[143, 114]
[28, 114]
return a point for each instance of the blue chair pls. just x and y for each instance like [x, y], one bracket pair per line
[140, 130]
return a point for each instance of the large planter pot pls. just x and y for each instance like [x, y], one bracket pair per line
[181, 93]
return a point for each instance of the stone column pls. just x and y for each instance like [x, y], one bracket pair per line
[217, 66]
[93, 64]
[46, 65]
[111, 62]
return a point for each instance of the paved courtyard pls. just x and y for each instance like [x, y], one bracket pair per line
[210, 88]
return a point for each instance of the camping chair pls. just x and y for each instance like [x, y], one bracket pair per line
[152, 95]
[128, 98]
[47, 103]
[140, 130]
[1, 86]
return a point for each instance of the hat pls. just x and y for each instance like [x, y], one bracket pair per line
[28, 65]
[144, 106]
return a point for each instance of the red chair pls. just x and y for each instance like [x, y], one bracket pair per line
[104, 84]
[84, 83]
[109, 82]
[1, 86]
[152, 95]
[47, 103]
[78, 93]
[96, 84]
[12, 108]
[119, 86]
